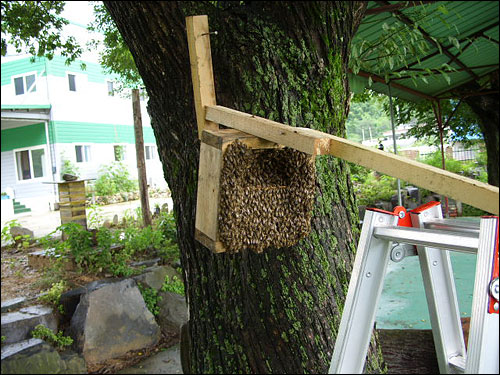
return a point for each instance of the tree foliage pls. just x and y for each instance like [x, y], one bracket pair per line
[116, 58]
[368, 117]
[397, 45]
[35, 27]
[460, 123]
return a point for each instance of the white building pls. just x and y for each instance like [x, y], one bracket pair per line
[52, 112]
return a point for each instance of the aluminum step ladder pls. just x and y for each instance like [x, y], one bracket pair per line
[423, 232]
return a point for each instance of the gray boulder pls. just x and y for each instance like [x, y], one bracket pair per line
[112, 320]
[154, 277]
[173, 311]
[20, 231]
[17, 326]
[35, 356]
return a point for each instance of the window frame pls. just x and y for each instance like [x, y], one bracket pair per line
[83, 145]
[75, 81]
[154, 154]
[25, 86]
[45, 169]
[124, 151]
[112, 92]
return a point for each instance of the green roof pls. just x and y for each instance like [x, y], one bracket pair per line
[473, 23]
[25, 106]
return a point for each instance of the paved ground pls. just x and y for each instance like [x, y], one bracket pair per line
[43, 224]
[166, 362]
[403, 304]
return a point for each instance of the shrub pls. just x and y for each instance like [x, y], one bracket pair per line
[6, 236]
[151, 298]
[44, 333]
[114, 178]
[173, 285]
[53, 295]
[69, 168]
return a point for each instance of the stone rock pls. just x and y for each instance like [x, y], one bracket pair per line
[69, 177]
[107, 224]
[70, 299]
[154, 277]
[112, 320]
[35, 356]
[17, 326]
[115, 220]
[12, 304]
[147, 263]
[164, 207]
[173, 311]
[20, 231]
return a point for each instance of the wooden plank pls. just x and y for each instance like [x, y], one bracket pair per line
[215, 246]
[200, 57]
[70, 219]
[286, 135]
[221, 138]
[207, 206]
[72, 203]
[466, 190]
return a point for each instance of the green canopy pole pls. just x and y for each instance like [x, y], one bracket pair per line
[400, 203]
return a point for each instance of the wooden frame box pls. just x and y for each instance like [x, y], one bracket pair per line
[240, 208]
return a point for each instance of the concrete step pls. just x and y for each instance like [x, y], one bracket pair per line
[17, 326]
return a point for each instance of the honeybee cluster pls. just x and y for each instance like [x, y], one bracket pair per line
[266, 197]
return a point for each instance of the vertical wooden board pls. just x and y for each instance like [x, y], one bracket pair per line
[201, 69]
[207, 204]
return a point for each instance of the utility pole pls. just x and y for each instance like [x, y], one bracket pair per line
[141, 163]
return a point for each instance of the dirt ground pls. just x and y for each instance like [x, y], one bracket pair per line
[18, 279]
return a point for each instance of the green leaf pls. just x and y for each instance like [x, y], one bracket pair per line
[455, 42]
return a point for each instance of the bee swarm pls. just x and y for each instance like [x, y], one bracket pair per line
[266, 197]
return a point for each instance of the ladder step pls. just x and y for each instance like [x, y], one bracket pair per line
[458, 363]
[453, 225]
[449, 240]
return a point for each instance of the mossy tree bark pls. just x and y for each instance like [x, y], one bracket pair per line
[276, 312]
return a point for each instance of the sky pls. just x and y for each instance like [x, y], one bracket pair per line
[80, 14]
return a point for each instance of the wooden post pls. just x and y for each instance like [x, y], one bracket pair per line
[72, 203]
[141, 164]
[200, 57]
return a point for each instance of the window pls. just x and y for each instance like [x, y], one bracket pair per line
[25, 84]
[119, 153]
[82, 154]
[150, 152]
[72, 82]
[111, 89]
[30, 164]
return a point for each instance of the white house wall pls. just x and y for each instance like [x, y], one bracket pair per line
[87, 116]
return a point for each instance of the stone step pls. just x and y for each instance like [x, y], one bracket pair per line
[13, 304]
[17, 326]
[35, 356]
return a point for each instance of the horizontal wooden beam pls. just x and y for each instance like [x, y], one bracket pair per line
[466, 190]
[273, 131]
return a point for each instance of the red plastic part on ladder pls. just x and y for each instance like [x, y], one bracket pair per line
[494, 274]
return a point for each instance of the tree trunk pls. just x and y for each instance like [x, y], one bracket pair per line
[486, 108]
[279, 311]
